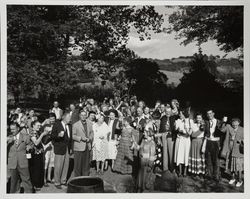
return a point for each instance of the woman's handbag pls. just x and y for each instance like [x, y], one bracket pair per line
[241, 147]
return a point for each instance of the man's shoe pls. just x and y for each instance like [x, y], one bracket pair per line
[58, 186]
[238, 184]
[232, 181]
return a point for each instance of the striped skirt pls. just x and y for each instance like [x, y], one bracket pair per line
[196, 160]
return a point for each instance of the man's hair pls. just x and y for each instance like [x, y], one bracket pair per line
[52, 115]
[156, 115]
[199, 113]
[91, 112]
[81, 111]
[235, 120]
[185, 112]
[34, 122]
[14, 124]
[210, 109]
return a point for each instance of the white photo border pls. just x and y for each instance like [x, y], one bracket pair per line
[3, 121]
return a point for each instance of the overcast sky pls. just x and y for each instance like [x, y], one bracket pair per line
[164, 46]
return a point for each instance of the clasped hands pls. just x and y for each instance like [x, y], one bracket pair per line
[85, 139]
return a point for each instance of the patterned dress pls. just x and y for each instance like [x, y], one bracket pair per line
[100, 145]
[124, 159]
[196, 162]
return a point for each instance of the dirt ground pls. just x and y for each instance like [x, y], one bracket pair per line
[116, 183]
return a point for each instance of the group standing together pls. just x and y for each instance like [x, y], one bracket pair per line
[126, 136]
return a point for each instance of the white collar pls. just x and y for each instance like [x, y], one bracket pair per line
[63, 123]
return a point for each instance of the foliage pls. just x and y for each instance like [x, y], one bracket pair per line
[199, 85]
[201, 23]
[148, 83]
[38, 39]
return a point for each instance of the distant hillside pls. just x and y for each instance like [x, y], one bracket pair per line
[175, 64]
[226, 68]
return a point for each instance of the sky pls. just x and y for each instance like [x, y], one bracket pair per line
[165, 46]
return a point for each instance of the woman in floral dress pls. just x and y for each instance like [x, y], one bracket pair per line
[100, 143]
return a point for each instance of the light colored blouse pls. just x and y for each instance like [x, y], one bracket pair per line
[185, 125]
[99, 131]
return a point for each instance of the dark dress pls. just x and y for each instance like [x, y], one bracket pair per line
[36, 164]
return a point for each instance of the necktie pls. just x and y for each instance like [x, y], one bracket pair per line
[16, 140]
[66, 131]
[211, 123]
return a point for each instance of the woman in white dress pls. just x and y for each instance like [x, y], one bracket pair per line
[100, 143]
[183, 126]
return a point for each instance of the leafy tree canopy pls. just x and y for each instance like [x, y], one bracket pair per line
[201, 23]
[38, 39]
[146, 81]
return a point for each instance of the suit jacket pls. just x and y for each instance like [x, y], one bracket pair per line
[163, 123]
[61, 144]
[17, 153]
[114, 129]
[80, 133]
[217, 132]
[142, 123]
[239, 136]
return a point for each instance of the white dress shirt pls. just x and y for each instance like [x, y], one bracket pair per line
[66, 127]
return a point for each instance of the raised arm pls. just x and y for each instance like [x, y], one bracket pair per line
[38, 140]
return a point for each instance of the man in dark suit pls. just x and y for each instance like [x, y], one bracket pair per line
[82, 139]
[213, 135]
[168, 134]
[17, 144]
[74, 113]
[62, 139]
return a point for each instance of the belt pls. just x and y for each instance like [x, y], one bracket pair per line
[214, 139]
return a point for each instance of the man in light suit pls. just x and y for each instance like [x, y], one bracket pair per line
[17, 143]
[82, 139]
[62, 140]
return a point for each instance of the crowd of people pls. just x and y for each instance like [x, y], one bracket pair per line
[125, 136]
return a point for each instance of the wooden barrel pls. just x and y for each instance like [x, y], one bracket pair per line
[85, 184]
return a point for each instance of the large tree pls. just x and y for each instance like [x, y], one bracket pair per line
[145, 80]
[38, 39]
[202, 23]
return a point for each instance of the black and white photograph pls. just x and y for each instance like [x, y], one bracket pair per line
[124, 97]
